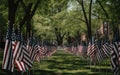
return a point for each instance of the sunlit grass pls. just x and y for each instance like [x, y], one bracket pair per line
[64, 63]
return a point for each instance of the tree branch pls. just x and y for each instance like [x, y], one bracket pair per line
[89, 26]
[16, 5]
[103, 9]
[84, 12]
[71, 18]
[34, 9]
[24, 6]
[90, 8]
[27, 11]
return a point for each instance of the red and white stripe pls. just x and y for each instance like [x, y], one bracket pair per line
[8, 56]
[20, 65]
[26, 58]
[119, 51]
[91, 51]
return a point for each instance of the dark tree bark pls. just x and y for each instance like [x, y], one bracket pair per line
[87, 19]
[89, 26]
[59, 36]
[27, 10]
[11, 14]
[103, 9]
[28, 17]
[69, 38]
[28, 20]
[12, 7]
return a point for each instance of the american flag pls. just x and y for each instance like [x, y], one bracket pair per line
[34, 52]
[17, 52]
[44, 51]
[26, 58]
[8, 53]
[14, 43]
[114, 59]
[48, 51]
[82, 50]
[20, 65]
[107, 47]
[53, 48]
[30, 47]
[91, 51]
[75, 50]
[119, 52]
[80, 47]
[38, 55]
[100, 54]
[68, 49]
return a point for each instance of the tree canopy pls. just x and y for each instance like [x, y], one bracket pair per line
[54, 19]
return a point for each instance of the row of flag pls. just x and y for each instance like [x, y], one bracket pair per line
[98, 53]
[115, 58]
[22, 55]
[79, 50]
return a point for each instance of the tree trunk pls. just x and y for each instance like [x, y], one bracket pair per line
[29, 13]
[89, 26]
[11, 14]
[59, 36]
[60, 41]
[12, 7]
[88, 20]
[116, 34]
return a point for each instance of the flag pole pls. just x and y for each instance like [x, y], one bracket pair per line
[13, 73]
[99, 66]
[33, 69]
[90, 63]
[106, 65]
[22, 73]
[28, 72]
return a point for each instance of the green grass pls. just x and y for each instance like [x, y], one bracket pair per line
[62, 63]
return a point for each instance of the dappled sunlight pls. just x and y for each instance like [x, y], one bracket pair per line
[62, 63]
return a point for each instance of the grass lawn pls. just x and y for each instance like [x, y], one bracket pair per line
[62, 63]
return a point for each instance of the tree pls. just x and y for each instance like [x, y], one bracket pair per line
[87, 19]
[13, 5]
[3, 19]
[54, 7]
[110, 13]
[29, 13]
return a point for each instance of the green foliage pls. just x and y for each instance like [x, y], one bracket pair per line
[42, 27]
[66, 15]
[3, 18]
[70, 19]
